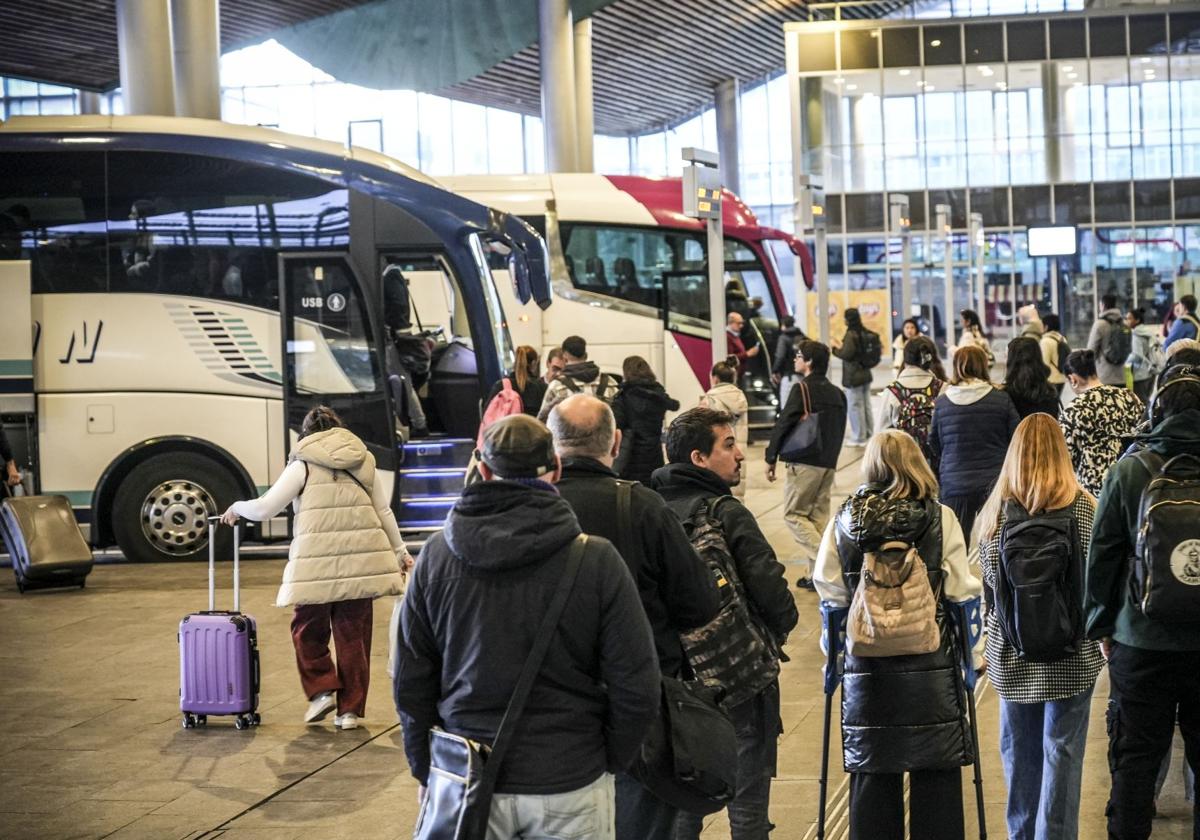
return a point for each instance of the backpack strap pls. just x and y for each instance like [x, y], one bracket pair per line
[625, 541]
[571, 385]
[602, 385]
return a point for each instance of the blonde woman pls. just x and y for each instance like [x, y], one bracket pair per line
[1044, 706]
[901, 714]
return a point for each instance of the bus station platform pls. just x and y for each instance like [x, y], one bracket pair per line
[92, 744]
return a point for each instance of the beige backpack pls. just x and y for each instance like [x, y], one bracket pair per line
[894, 608]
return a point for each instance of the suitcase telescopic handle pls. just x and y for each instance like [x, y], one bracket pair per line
[213, 522]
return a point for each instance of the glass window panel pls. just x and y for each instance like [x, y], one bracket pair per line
[902, 47]
[1152, 201]
[506, 152]
[1030, 205]
[942, 44]
[860, 49]
[1072, 204]
[1026, 40]
[400, 125]
[1187, 199]
[834, 215]
[20, 87]
[535, 145]
[470, 137]
[1185, 33]
[992, 203]
[612, 154]
[1112, 201]
[1147, 34]
[864, 211]
[1106, 36]
[437, 138]
[916, 209]
[957, 199]
[985, 42]
[58, 105]
[816, 51]
[1068, 39]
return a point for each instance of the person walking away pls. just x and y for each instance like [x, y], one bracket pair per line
[902, 714]
[907, 403]
[1111, 341]
[1142, 596]
[1032, 325]
[474, 605]
[1045, 699]
[1098, 422]
[783, 366]
[1185, 324]
[1055, 349]
[859, 350]
[677, 590]
[1146, 360]
[735, 331]
[525, 380]
[908, 331]
[973, 423]
[704, 462]
[579, 376]
[345, 552]
[809, 475]
[640, 406]
[1027, 379]
[972, 334]
[724, 395]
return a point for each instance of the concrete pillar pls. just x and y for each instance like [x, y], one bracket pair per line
[196, 42]
[556, 50]
[144, 45]
[1051, 122]
[89, 102]
[729, 121]
[584, 111]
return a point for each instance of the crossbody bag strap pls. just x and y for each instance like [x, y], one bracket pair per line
[625, 519]
[545, 635]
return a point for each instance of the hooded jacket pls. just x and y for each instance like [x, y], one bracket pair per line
[1050, 341]
[973, 424]
[586, 378]
[854, 374]
[340, 550]
[476, 599]
[731, 399]
[829, 403]
[911, 378]
[1109, 320]
[683, 485]
[1108, 604]
[1145, 355]
[784, 363]
[639, 409]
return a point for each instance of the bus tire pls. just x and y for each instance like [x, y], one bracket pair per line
[160, 509]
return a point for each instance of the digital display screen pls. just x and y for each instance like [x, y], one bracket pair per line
[1051, 241]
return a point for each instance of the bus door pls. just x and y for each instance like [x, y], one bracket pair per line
[331, 356]
[16, 366]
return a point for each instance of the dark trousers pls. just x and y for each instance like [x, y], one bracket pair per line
[1147, 688]
[965, 508]
[640, 815]
[758, 726]
[934, 805]
[350, 624]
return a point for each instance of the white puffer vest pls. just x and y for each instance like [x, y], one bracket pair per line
[339, 550]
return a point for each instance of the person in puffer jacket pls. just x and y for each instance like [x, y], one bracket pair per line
[973, 423]
[640, 406]
[346, 551]
[902, 714]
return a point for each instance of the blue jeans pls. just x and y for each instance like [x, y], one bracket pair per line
[858, 407]
[1042, 747]
[640, 814]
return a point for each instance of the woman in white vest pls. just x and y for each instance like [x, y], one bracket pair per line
[346, 551]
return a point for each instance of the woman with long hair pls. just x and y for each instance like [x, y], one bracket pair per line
[525, 379]
[901, 714]
[346, 551]
[972, 334]
[1044, 706]
[1027, 378]
[1098, 421]
[909, 330]
[640, 406]
[973, 421]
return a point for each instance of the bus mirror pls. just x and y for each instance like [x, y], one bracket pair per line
[518, 270]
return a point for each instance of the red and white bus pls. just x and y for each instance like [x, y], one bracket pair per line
[629, 273]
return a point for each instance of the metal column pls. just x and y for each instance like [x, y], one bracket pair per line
[899, 225]
[584, 110]
[728, 119]
[945, 227]
[977, 259]
[810, 219]
[144, 45]
[556, 52]
[196, 43]
[702, 199]
[89, 102]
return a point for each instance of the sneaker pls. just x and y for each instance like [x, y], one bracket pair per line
[320, 707]
[346, 721]
[806, 583]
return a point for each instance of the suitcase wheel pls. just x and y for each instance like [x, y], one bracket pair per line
[242, 722]
[256, 719]
[189, 720]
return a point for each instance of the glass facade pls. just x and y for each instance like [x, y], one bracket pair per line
[1084, 120]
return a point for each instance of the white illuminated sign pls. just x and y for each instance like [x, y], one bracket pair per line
[1051, 241]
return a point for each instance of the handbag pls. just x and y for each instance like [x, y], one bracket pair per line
[806, 434]
[462, 772]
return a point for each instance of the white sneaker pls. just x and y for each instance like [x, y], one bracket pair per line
[320, 707]
[346, 721]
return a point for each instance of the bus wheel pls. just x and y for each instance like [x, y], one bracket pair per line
[161, 509]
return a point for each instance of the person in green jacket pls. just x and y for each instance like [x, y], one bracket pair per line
[1153, 666]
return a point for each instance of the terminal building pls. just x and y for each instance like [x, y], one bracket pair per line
[216, 217]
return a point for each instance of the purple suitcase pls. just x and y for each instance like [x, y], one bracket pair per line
[218, 654]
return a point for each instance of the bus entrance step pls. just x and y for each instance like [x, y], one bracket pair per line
[438, 452]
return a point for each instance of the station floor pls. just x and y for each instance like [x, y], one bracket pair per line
[91, 744]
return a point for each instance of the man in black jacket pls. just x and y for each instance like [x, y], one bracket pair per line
[783, 367]
[810, 474]
[467, 625]
[705, 462]
[678, 591]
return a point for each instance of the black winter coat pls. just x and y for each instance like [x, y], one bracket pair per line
[829, 402]
[900, 713]
[531, 396]
[682, 485]
[474, 604]
[677, 589]
[784, 363]
[639, 408]
[854, 373]
[970, 441]
[1046, 403]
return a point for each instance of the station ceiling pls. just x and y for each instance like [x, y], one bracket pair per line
[655, 62]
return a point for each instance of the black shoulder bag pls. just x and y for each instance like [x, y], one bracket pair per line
[462, 772]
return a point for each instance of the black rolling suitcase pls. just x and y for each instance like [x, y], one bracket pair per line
[44, 542]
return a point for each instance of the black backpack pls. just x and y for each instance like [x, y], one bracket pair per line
[1118, 342]
[1166, 564]
[1038, 592]
[870, 350]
